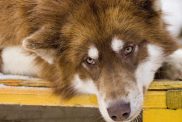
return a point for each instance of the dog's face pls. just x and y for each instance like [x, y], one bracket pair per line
[118, 72]
[112, 49]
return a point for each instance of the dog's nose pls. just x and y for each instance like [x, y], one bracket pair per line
[119, 111]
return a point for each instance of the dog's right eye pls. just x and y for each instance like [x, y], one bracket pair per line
[90, 61]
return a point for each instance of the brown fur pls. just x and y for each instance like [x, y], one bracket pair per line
[65, 29]
[1, 62]
[69, 26]
[180, 35]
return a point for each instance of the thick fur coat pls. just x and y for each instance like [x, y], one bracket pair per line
[111, 48]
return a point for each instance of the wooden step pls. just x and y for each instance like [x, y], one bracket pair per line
[163, 101]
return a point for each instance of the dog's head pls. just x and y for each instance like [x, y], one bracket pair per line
[112, 48]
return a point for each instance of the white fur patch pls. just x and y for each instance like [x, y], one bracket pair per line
[136, 101]
[93, 52]
[146, 70]
[16, 61]
[117, 45]
[172, 11]
[176, 58]
[86, 86]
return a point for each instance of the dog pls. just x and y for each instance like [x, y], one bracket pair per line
[111, 48]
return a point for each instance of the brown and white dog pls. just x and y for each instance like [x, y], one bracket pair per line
[111, 48]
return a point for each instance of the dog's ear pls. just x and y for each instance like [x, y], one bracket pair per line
[47, 50]
[154, 5]
[45, 42]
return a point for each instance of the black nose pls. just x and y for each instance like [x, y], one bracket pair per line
[119, 111]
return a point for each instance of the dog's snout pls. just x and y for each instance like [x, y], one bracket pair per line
[119, 111]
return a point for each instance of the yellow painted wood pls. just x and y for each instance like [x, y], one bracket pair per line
[43, 97]
[38, 93]
[36, 83]
[156, 85]
[162, 115]
[174, 99]
[165, 85]
[155, 99]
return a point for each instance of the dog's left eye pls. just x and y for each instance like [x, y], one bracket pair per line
[129, 50]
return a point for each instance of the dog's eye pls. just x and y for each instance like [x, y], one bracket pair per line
[128, 50]
[90, 61]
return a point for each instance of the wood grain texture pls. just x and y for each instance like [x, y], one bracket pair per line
[165, 85]
[174, 99]
[156, 85]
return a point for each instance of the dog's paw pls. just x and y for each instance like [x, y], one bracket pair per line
[172, 69]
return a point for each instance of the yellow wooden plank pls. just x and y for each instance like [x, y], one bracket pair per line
[162, 115]
[155, 99]
[43, 97]
[36, 83]
[156, 85]
[155, 108]
[165, 85]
